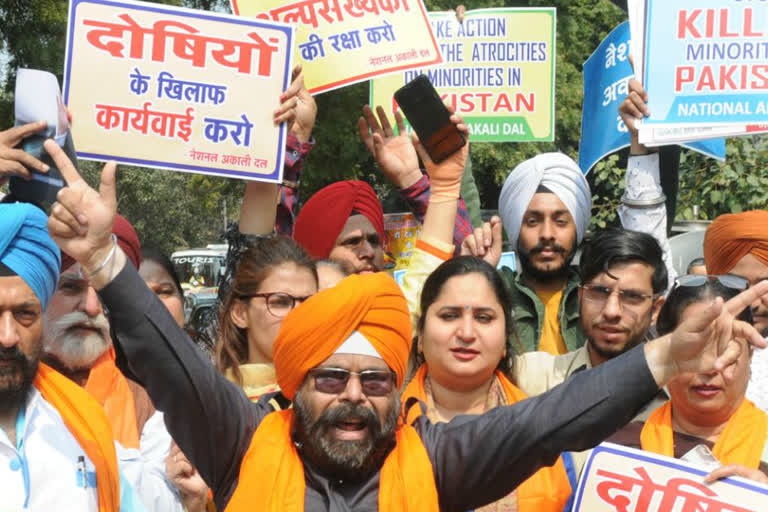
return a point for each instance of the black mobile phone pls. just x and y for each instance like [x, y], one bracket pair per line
[429, 118]
[43, 187]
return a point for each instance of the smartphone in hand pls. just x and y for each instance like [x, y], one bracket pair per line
[429, 118]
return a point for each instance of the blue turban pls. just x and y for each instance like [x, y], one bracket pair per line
[28, 250]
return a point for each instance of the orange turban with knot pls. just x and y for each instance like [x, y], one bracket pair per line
[371, 304]
[732, 236]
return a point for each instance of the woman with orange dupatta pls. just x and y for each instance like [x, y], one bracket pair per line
[708, 409]
[462, 364]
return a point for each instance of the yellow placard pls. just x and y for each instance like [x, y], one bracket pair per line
[342, 42]
[498, 71]
[402, 232]
[178, 89]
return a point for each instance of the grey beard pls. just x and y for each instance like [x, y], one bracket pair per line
[74, 350]
[345, 460]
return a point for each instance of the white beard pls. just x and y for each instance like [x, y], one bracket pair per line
[76, 349]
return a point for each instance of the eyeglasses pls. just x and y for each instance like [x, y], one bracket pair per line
[334, 380]
[727, 280]
[279, 304]
[600, 294]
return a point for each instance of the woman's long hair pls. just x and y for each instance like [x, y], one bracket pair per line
[254, 267]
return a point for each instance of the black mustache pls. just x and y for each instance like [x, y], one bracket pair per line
[547, 245]
[12, 354]
[342, 412]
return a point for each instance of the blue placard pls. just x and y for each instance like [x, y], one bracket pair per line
[606, 77]
[705, 61]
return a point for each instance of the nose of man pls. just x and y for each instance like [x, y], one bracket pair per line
[9, 333]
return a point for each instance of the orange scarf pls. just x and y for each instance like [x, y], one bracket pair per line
[547, 490]
[110, 388]
[86, 421]
[272, 475]
[741, 442]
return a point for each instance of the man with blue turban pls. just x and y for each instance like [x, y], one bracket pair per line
[545, 206]
[49, 426]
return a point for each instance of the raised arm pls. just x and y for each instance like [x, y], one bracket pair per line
[397, 159]
[479, 459]
[643, 206]
[261, 204]
[210, 418]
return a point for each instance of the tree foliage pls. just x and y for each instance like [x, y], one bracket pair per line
[173, 210]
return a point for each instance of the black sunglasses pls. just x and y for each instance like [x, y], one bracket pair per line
[334, 380]
[727, 280]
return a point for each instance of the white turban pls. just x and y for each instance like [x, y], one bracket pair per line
[558, 173]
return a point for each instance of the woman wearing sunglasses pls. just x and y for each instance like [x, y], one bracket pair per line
[708, 409]
[462, 362]
[272, 277]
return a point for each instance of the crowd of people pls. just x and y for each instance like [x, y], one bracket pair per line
[331, 387]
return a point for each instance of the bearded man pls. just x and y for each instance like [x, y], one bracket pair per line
[545, 206]
[342, 355]
[76, 342]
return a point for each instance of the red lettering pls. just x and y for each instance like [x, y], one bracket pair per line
[685, 24]
[467, 103]
[683, 75]
[761, 81]
[724, 24]
[706, 80]
[710, 30]
[502, 101]
[484, 96]
[726, 78]
[530, 104]
[748, 32]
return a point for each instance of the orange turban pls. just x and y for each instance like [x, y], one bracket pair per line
[732, 236]
[371, 304]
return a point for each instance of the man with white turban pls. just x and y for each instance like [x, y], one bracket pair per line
[545, 206]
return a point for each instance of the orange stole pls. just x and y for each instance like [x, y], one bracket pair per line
[87, 422]
[110, 388]
[741, 442]
[547, 490]
[272, 475]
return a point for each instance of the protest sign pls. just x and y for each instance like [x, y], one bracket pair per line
[607, 73]
[176, 88]
[402, 232]
[620, 479]
[705, 62]
[342, 42]
[498, 72]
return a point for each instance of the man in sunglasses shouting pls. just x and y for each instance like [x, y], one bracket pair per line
[341, 357]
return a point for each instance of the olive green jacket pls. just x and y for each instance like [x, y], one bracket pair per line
[528, 312]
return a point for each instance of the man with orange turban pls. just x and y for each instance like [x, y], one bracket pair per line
[737, 243]
[344, 222]
[341, 357]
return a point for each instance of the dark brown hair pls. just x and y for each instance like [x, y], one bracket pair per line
[254, 267]
[459, 266]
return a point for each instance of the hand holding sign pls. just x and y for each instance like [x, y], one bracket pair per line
[633, 109]
[394, 153]
[297, 107]
[16, 162]
[713, 339]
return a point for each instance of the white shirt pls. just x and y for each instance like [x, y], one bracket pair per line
[145, 468]
[54, 461]
[757, 391]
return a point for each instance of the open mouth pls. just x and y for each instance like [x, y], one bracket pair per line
[351, 429]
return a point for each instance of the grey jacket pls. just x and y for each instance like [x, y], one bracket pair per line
[476, 459]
